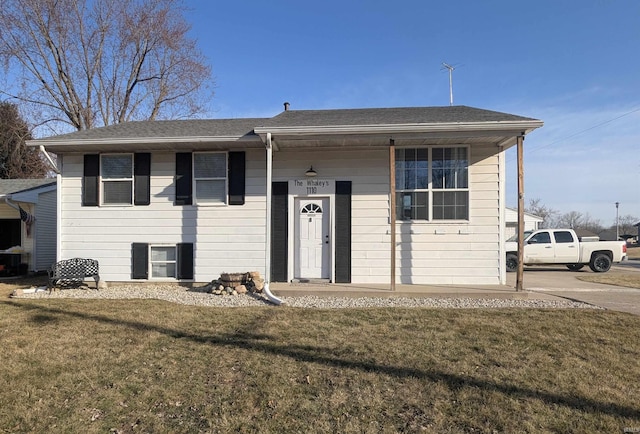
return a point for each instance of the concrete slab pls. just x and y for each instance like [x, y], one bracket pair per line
[539, 283]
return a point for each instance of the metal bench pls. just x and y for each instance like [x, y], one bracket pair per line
[72, 272]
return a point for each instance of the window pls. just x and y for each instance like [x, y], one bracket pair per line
[117, 179]
[210, 177]
[163, 261]
[563, 237]
[540, 238]
[432, 184]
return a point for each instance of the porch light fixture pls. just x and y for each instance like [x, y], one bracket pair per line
[311, 173]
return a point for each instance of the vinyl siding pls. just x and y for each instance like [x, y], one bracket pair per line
[232, 238]
[225, 238]
[45, 231]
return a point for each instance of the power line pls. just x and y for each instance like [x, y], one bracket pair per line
[637, 109]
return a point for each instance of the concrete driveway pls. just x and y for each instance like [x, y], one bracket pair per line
[562, 283]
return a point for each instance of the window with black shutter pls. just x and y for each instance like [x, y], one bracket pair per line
[116, 179]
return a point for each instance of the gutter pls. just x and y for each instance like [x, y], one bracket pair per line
[526, 126]
[267, 249]
[142, 140]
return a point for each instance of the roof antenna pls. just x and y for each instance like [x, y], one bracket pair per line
[450, 68]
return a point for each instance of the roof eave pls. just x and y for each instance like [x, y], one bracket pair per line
[524, 126]
[54, 145]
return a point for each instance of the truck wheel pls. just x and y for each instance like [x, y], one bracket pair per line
[600, 263]
[512, 262]
[575, 267]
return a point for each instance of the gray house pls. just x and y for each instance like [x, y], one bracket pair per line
[355, 195]
[28, 225]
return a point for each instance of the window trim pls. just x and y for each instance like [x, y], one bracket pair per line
[151, 262]
[194, 180]
[131, 180]
[430, 190]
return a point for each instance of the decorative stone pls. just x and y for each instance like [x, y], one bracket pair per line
[234, 292]
[17, 293]
[259, 284]
[241, 289]
[102, 285]
[220, 287]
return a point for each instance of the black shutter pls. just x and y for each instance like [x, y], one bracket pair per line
[279, 231]
[236, 178]
[140, 261]
[185, 261]
[183, 178]
[90, 180]
[343, 232]
[142, 179]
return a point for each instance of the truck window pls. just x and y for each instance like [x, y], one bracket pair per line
[515, 237]
[540, 238]
[563, 237]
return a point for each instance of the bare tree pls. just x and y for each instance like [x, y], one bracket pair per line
[90, 63]
[17, 161]
[578, 220]
[536, 207]
[626, 225]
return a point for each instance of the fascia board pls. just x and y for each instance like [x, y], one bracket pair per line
[525, 126]
[60, 143]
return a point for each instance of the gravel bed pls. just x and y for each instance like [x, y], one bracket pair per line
[198, 297]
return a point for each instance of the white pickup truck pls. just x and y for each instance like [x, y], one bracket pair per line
[562, 246]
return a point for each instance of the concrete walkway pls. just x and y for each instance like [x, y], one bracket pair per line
[545, 283]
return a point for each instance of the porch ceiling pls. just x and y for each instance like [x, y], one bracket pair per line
[506, 139]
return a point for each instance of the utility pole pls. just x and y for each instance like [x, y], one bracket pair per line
[617, 222]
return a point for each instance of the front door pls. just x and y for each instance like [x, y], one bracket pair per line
[312, 238]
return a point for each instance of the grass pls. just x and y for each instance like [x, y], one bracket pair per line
[152, 366]
[633, 252]
[618, 278]
[629, 280]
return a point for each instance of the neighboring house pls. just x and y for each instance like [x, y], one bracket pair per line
[27, 239]
[531, 222]
[608, 235]
[302, 195]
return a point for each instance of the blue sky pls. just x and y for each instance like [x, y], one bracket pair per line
[575, 64]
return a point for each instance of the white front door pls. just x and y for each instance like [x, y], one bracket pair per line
[312, 238]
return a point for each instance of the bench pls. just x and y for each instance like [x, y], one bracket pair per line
[72, 272]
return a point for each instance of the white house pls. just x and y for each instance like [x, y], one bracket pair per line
[531, 222]
[302, 195]
[27, 238]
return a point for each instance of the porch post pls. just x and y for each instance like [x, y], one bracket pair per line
[392, 210]
[520, 271]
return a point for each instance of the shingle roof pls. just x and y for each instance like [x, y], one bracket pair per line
[9, 186]
[389, 116]
[169, 129]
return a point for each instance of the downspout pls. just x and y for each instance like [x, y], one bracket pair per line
[267, 250]
[55, 168]
[49, 159]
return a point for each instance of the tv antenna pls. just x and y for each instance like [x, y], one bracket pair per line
[450, 68]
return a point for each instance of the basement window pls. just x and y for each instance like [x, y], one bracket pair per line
[163, 262]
